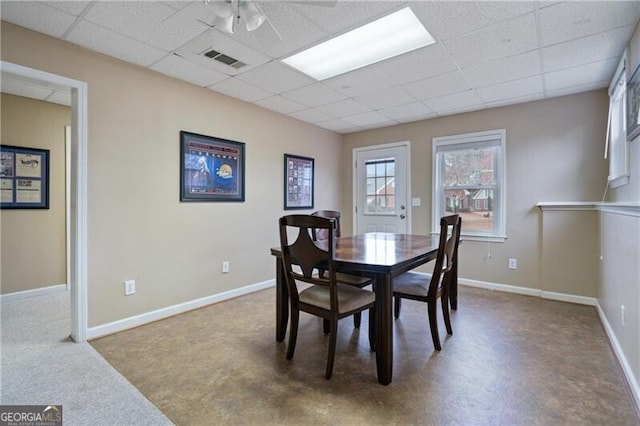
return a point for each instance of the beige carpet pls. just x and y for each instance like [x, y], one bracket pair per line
[513, 360]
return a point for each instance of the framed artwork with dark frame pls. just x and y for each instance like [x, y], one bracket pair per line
[211, 169]
[298, 182]
[24, 177]
[633, 105]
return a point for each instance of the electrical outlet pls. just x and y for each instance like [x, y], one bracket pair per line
[129, 287]
[513, 263]
[225, 267]
[622, 314]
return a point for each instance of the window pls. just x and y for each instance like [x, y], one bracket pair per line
[381, 186]
[616, 147]
[469, 179]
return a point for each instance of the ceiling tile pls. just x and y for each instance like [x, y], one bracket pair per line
[511, 90]
[114, 44]
[578, 89]
[411, 111]
[435, 87]
[175, 66]
[571, 20]
[276, 77]
[598, 47]
[279, 104]
[240, 89]
[422, 63]
[38, 16]
[314, 95]
[311, 115]
[339, 126]
[343, 108]
[359, 82]
[25, 89]
[499, 41]
[448, 19]
[506, 69]
[144, 21]
[455, 102]
[520, 99]
[385, 98]
[580, 75]
[369, 118]
[345, 15]
[72, 7]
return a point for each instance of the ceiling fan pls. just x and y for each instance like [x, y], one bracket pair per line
[228, 15]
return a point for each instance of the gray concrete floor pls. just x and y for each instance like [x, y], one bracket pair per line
[513, 360]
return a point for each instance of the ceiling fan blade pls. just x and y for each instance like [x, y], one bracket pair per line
[267, 33]
[226, 25]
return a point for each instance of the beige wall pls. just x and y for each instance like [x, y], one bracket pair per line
[554, 153]
[619, 281]
[33, 240]
[137, 227]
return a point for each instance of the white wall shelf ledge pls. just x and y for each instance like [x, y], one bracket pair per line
[630, 208]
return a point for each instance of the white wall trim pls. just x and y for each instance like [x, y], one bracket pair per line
[617, 349]
[158, 314]
[571, 298]
[34, 292]
[623, 208]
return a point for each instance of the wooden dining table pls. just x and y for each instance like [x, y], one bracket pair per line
[378, 255]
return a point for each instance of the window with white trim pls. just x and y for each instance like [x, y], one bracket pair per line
[469, 173]
[616, 146]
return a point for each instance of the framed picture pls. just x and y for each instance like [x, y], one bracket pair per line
[24, 176]
[211, 169]
[633, 105]
[298, 182]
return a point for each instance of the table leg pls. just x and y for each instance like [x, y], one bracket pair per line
[384, 324]
[282, 301]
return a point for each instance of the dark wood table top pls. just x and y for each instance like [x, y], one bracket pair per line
[381, 252]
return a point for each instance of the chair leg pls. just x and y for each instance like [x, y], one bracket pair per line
[332, 348]
[445, 312]
[372, 329]
[293, 333]
[396, 306]
[325, 326]
[432, 308]
[357, 318]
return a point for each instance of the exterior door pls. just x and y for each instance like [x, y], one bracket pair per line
[381, 189]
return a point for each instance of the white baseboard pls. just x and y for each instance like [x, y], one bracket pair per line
[617, 349]
[571, 298]
[34, 292]
[148, 317]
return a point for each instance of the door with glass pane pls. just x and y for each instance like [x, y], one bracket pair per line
[381, 189]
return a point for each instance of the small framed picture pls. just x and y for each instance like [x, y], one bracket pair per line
[633, 105]
[24, 177]
[211, 169]
[298, 182]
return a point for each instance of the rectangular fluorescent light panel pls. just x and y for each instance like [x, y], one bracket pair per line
[382, 39]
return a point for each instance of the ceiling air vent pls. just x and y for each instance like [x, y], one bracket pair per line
[227, 60]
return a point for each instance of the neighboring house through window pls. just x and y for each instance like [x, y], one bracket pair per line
[469, 179]
[617, 147]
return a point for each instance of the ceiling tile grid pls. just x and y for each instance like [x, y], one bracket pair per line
[487, 53]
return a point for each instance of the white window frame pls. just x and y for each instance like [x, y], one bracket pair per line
[617, 148]
[497, 138]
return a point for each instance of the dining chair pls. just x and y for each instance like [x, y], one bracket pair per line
[356, 280]
[312, 293]
[431, 287]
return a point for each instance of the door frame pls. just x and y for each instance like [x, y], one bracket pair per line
[78, 201]
[354, 178]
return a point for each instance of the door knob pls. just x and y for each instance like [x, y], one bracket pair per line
[402, 216]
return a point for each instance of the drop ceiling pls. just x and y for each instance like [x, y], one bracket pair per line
[487, 54]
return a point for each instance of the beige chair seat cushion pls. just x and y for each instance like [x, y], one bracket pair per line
[413, 283]
[349, 297]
